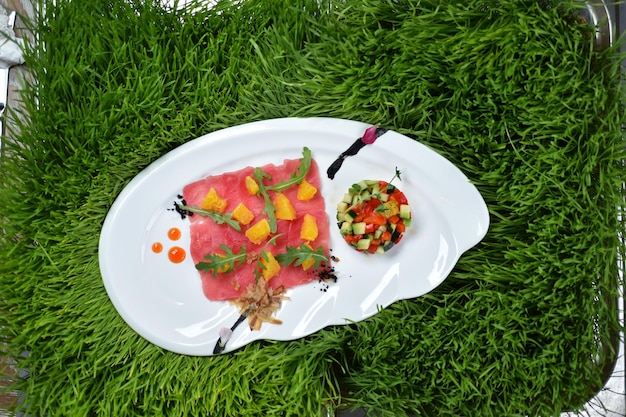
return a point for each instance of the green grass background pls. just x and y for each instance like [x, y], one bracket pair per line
[514, 93]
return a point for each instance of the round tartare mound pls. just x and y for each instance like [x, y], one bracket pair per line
[373, 216]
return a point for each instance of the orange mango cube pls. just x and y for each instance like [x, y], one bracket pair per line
[214, 202]
[270, 266]
[242, 214]
[251, 185]
[259, 232]
[284, 209]
[309, 230]
[306, 191]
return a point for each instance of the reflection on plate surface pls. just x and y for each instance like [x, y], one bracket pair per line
[164, 302]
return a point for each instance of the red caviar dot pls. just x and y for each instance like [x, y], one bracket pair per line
[174, 233]
[157, 247]
[176, 254]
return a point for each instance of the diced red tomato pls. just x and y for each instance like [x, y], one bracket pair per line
[352, 238]
[400, 227]
[375, 218]
[371, 205]
[398, 196]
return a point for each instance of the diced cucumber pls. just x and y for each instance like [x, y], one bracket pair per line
[380, 249]
[372, 182]
[395, 235]
[356, 199]
[405, 211]
[342, 207]
[358, 228]
[349, 216]
[340, 216]
[347, 198]
[383, 197]
[363, 184]
[366, 196]
[346, 228]
[363, 244]
[388, 246]
[407, 222]
[378, 233]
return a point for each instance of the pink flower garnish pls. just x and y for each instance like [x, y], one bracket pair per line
[369, 136]
[225, 334]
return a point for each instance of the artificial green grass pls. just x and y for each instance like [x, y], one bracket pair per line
[514, 93]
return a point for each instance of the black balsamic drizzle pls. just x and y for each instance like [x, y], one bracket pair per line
[220, 346]
[352, 150]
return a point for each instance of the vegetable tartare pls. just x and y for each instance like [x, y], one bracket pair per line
[373, 216]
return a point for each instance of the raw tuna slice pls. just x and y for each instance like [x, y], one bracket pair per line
[207, 236]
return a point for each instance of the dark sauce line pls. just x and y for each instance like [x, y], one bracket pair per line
[220, 346]
[353, 150]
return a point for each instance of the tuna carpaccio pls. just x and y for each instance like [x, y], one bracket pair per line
[232, 189]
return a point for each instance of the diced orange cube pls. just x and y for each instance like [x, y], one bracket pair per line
[214, 202]
[251, 185]
[259, 232]
[270, 266]
[309, 229]
[284, 209]
[306, 191]
[242, 214]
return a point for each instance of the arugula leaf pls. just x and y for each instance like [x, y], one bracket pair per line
[218, 263]
[297, 255]
[298, 176]
[216, 216]
[269, 210]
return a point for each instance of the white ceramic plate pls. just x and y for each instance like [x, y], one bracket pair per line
[164, 302]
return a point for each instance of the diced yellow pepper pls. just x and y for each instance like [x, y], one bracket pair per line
[258, 232]
[242, 214]
[271, 267]
[306, 191]
[309, 262]
[284, 209]
[392, 208]
[214, 202]
[309, 229]
[251, 185]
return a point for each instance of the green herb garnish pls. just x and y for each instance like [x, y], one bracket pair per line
[216, 216]
[300, 254]
[218, 263]
[298, 176]
[269, 210]
[397, 175]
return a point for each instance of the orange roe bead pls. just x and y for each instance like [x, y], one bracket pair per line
[176, 254]
[174, 233]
